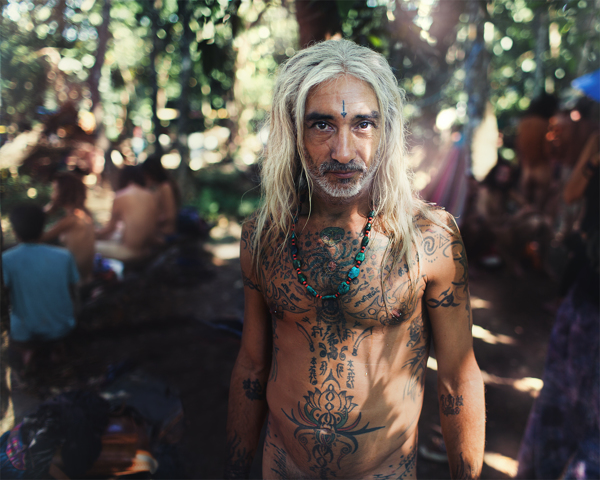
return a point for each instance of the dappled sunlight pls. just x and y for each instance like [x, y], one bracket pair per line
[529, 385]
[491, 338]
[501, 463]
[477, 303]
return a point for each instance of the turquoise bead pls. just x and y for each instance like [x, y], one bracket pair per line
[365, 241]
[360, 257]
[302, 277]
[343, 288]
[311, 290]
[329, 297]
[294, 250]
[354, 272]
[297, 263]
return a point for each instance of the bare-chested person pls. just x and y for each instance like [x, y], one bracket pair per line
[343, 301]
[135, 211]
[75, 230]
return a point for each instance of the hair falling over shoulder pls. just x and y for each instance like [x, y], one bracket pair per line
[284, 165]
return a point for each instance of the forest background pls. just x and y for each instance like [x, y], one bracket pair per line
[96, 84]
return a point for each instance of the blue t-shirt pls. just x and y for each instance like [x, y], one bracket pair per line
[38, 278]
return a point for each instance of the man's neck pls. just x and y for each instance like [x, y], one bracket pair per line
[326, 207]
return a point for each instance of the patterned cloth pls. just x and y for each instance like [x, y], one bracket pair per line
[561, 437]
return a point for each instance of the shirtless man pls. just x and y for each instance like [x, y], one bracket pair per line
[75, 230]
[336, 336]
[135, 208]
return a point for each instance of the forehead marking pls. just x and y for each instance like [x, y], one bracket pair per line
[344, 113]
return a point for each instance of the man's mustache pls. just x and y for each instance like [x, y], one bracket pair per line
[329, 167]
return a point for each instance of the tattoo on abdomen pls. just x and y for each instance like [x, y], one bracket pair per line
[405, 467]
[280, 462]
[451, 405]
[417, 365]
[324, 429]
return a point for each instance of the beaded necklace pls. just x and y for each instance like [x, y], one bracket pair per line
[343, 287]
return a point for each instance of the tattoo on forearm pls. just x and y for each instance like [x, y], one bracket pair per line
[254, 390]
[464, 471]
[450, 405]
[238, 460]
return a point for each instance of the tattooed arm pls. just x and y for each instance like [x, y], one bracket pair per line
[247, 398]
[460, 386]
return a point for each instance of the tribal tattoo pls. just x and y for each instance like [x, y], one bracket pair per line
[464, 471]
[239, 460]
[406, 466]
[324, 426]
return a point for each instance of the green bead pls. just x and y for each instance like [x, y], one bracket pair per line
[368, 227]
[329, 297]
[354, 272]
[343, 288]
[311, 290]
[365, 241]
[297, 263]
[302, 277]
[360, 257]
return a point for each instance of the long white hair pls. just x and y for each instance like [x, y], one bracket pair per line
[284, 166]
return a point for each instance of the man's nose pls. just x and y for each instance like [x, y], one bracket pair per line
[343, 149]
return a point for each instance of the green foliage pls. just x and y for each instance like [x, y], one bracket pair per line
[16, 189]
[225, 193]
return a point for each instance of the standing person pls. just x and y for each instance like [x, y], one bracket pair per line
[41, 281]
[533, 151]
[135, 210]
[347, 278]
[165, 190]
[75, 230]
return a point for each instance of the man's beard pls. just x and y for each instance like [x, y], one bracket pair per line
[342, 187]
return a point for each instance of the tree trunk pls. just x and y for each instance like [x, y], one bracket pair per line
[155, 17]
[542, 45]
[317, 20]
[183, 171]
[476, 82]
[102, 141]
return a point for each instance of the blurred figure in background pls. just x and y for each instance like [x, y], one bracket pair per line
[41, 281]
[562, 438]
[75, 230]
[130, 233]
[167, 195]
[533, 151]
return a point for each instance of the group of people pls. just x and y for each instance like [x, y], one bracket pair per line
[43, 280]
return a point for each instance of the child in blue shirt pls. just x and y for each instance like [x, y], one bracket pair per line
[41, 281]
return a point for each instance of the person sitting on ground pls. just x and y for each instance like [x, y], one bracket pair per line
[75, 230]
[41, 281]
[166, 192]
[135, 208]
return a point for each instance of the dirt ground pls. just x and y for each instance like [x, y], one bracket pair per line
[177, 320]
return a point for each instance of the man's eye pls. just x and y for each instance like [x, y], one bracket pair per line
[320, 125]
[364, 125]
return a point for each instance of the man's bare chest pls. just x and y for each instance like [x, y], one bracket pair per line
[375, 292]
